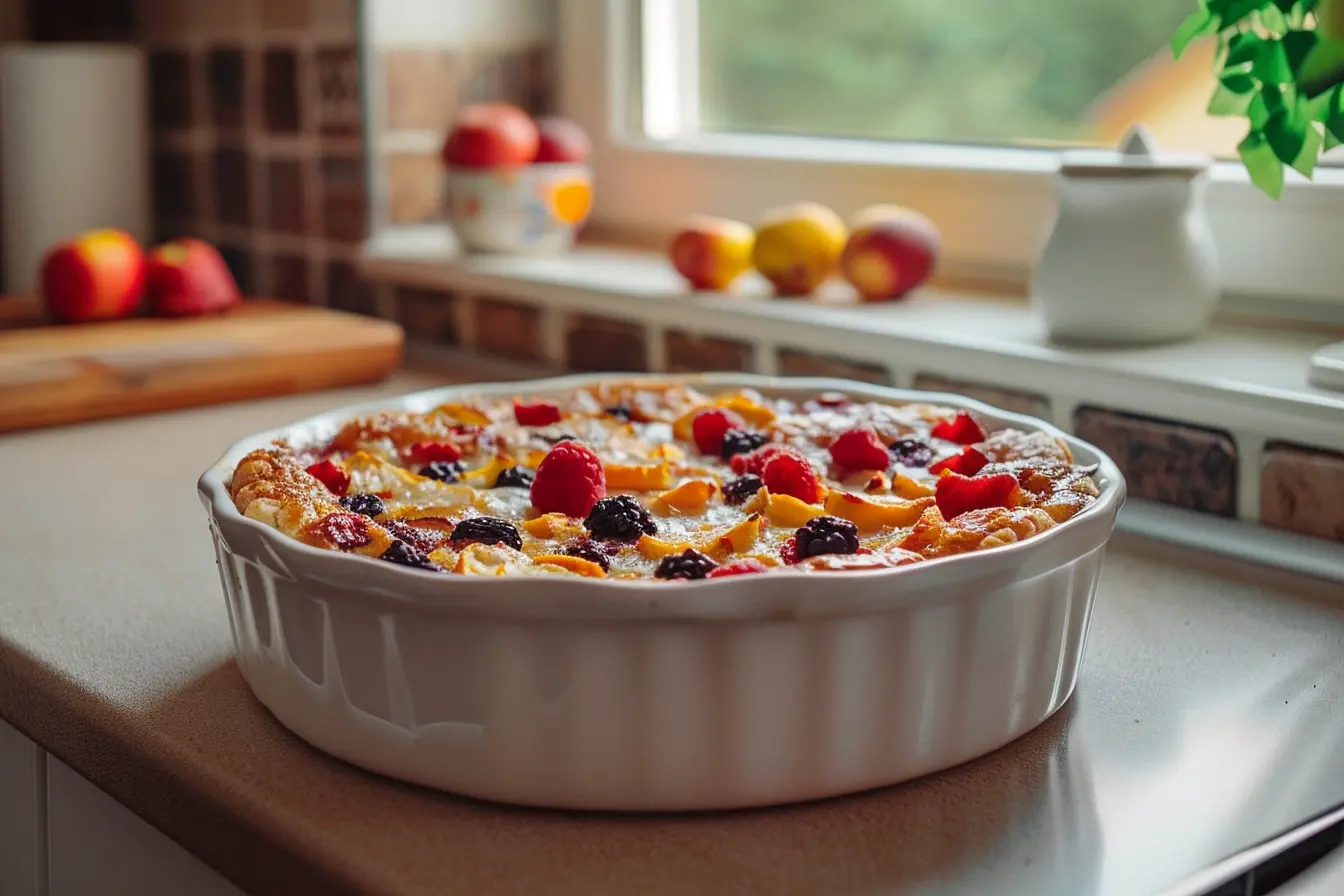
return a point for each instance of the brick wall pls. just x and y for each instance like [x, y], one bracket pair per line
[258, 143]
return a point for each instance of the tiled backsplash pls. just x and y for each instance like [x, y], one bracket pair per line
[259, 127]
[257, 136]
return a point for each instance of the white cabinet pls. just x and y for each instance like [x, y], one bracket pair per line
[22, 814]
[62, 836]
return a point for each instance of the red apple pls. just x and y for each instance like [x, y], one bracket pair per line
[188, 277]
[891, 250]
[491, 135]
[710, 253]
[561, 140]
[98, 275]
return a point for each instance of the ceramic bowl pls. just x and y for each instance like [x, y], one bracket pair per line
[651, 695]
[533, 209]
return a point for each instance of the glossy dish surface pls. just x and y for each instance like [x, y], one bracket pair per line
[663, 480]
[629, 692]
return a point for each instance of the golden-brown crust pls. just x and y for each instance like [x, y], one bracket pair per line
[895, 511]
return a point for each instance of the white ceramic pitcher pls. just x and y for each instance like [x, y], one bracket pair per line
[1130, 258]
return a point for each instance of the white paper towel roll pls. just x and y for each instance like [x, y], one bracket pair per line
[74, 148]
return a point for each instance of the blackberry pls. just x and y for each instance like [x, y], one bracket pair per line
[444, 470]
[401, 553]
[689, 564]
[911, 453]
[827, 535]
[588, 549]
[741, 441]
[621, 412]
[515, 477]
[364, 504]
[738, 490]
[621, 517]
[421, 540]
[487, 530]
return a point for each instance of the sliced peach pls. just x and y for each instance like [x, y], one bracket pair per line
[689, 497]
[552, 525]
[668, 451]
[757, 502]
[758, 416]
[487, 474]
[463, 413]
[445, 557]
[873, 516]
[903, 486]
[534, 458]
[572, 564]
[656, 548]
[789, 512]
[638, 477]
[739, 539]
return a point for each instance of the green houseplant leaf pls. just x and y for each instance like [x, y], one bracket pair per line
[1198, 24]
[1280, 66]
[1264, 168]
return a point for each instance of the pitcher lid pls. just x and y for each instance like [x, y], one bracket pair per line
[1137, 156]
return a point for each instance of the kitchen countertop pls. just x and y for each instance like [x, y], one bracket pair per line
[1208, 716]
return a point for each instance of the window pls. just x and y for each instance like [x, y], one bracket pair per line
[954, 71]
[955, 107]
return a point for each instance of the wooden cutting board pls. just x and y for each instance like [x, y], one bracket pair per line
[65, 374]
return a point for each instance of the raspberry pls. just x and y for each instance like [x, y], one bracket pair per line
[330, 475]
[594, 551]
[569, 480]
[832, 399]
[789, 474]
[860, 449]
[738, 568]
[788, 551]
[740, 489]
[969, 462]
[620, 517]
[827, 535]
[444, 470]
[911, 453]
[401, 553]
[755, 461]
[343, 530]
[709, 427]
[539, 413]
[514, 477]
[364, 504]
[689, 564]
[961, 429]
[956, 494]
[423, 540]
[428, 452]
[486, 530]
[740, 441]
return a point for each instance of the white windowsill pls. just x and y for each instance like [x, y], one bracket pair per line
[1249, 381]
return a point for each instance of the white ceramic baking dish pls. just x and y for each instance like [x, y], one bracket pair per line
[636, 695]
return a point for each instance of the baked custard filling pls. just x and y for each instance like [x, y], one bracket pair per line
[663, 481]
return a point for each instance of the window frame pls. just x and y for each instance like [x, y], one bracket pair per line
[994, 205]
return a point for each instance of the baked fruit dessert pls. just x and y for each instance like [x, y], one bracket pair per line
[659, 480]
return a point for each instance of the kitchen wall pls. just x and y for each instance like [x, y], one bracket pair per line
[260, 122]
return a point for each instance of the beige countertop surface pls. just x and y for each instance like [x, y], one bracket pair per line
[1208, 716]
